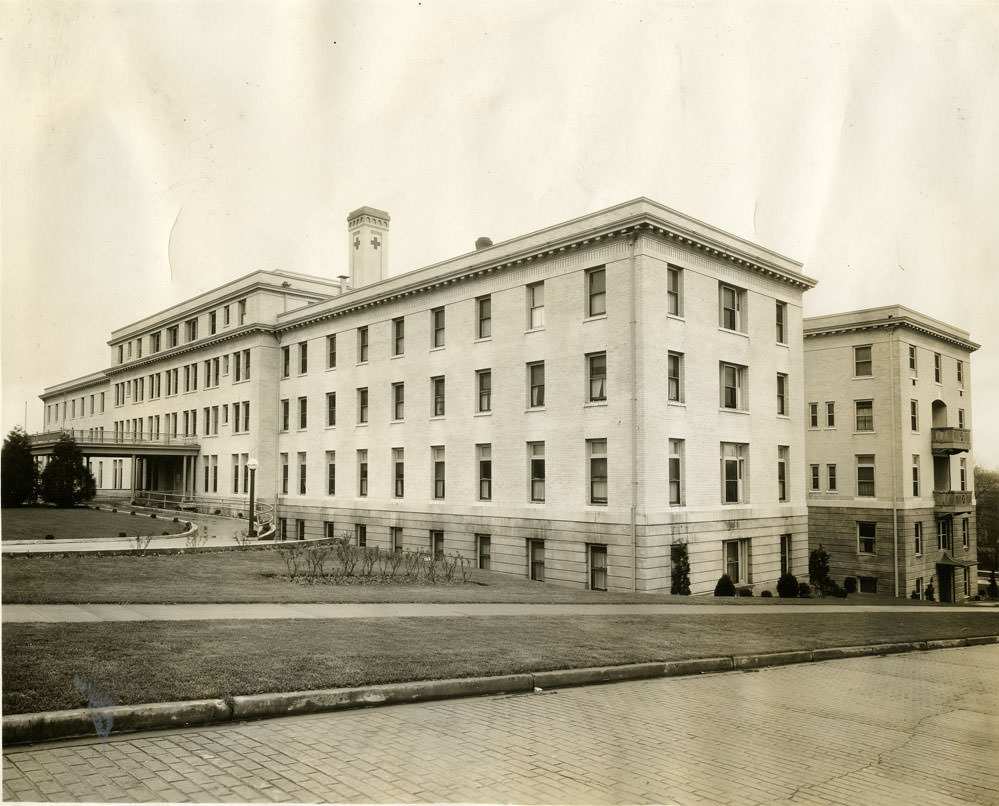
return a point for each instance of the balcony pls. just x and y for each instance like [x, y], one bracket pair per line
[947, 441]
[952, 502]
[95, 443]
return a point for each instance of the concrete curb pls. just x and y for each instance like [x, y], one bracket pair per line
[102, 721]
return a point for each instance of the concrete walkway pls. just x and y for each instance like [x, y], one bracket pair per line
[42, 613]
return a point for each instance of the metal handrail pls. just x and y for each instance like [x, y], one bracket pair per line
[110, 438]
[226, 507]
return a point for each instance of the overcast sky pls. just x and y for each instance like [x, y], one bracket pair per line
[154, 150]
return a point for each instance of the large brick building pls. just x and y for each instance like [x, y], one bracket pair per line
[888, 446]
[564, 405]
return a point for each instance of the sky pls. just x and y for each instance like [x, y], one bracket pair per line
[153, 149]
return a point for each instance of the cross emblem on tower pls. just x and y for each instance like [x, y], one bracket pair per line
[357, 242]
[375, 242]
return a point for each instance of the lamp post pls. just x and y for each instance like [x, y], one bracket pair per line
[252, 464]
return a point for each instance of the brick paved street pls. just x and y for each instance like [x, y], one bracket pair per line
[915, 728]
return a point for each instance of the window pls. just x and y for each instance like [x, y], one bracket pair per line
[781, 393]
[437, 327]
[362, 472]
[190, 330]
[936, 367]
[866, 538]
[154, 342]
[303, 412]
[596, 292]
[731, 308]
[733, 386]
[300, 529]
[917, 531]
[395, 537]
[675, 468]
[303, 357]
[331, 351]
[225, 316]
[830, 414]
[735, 555]
[330, 409]
[437, 393]
[960, 418]
[535, 306]
[862, 364]
[172, 336]
[484, 382]
[398, 401]
[912, 360]
[783, 452]
[813, 415]
[733, 472]
[398, 336]
[437, 455]
[398, 472]
[960, 371]
[362, 405]
[361, 534]
[782, 323]
[965, 537]
[330, 472]
[212, 323]
[815, 477]
[483, 549]
[964, 474]
[945, 535]
[285, 414]
[914, 415]
[283, 525]
[598, 568]
[536, 560]
[596, 368]
[785, 554]
[915, 475]
[596, 450]
[831, 474]
[437, 543]
[485, 472]
[865, 415]
[484, 318]
[301, 474]
[242, 311]
[362, 345]
[674, 291]
[674, 377]
[865, 476]
[536, 468]
[536, 384]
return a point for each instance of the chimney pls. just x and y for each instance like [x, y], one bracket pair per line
[368, 231]
[483, 243]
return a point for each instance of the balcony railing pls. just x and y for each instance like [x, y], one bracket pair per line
[953, 500]
[950, 440]
[85, 436]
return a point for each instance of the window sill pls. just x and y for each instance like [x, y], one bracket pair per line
[589, 404]
[678, 403]
[676, 317]
[397, 421]
[436, 349]
[859, 433]
[329, 427]
[397, 355]
[534, 409]
[483, 414]
[595, 317]
[781, 344]
[742, 333]
[783, 416]
[436, 417]
[482, 339]
[733, 411]
[362, 425]
[535, 330]
[329, 369]
[862, 377]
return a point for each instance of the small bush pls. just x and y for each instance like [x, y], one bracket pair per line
[153, 515]
[218, 511]
[850, 585]
[50, 537]
[766, 595]
[114, 509]
[745, 591]
[725, 586]
[804, 590]
[929, 593]
[176, 520]
[132, 512]
[166, 533]
[122, 534]
[914, 595]
[787, 586]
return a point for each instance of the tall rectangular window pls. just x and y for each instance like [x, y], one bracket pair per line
[598, 568]
[596, 450]
[398, 336]
[331, 408]
[284, 474]
[783, 452]
[536, 384]
[596, 292]
[303, 357]
[912, 361]
[735, 555]
[331, 351]
[733, 386]
[302, 469]
[865, 476]
[945, 534]
[362, 472]
[362, 345]
[242, 311]
[485, 473]
[674, 377]
[915, 474]
[535, 306]
[437, 543]
[830, 414]
[917, 532]
[863, 366]
[816, 484]
[674, 291]
[536, 468]
[212, 323]
[399, 472]
[484, 383]
[963, 474]
[733, 472]
[361, 534]
[731, 308]
[867, 541]
[813, 415]
[437, 327]
[330, 472]
[303, 412]
[831, 474]
[785, 554]
[782, 323]
[675, 467]
[936, 367]
[960, 418]
[484, 317]
[395, 536]
[191, 329]
[483, 550]
[960, 372]
[865, 415]
[398, 401]
[596, 369]
[437, 394]
[437, 456]
[172, 336]
[781, 393]
[362, 405]
[965, 538]
[914, 415]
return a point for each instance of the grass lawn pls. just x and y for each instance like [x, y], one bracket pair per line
[34, 523]
[134, 662]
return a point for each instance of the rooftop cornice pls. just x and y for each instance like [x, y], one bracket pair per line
[173, 352]
[84, 382]
[884, 319]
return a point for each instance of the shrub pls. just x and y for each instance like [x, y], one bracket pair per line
[50, 537]
[132, 512]
[766, 595]
[993, 587]
[804, 590]
[218, 511]
[914, 595]
[679, 569]
[152, 515]
[787, 586]
[122, 534]
[929, 593]
[114, 509]
[745, 591]
[818, 566]
[725, 586]
[166, 533]
[850, 585]
[176, 520]
[18, 472]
